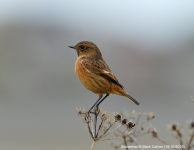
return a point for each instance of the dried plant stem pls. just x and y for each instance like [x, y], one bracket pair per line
[94, 142]
[190, 141]
[134, 139]
[106, 131]
[141, 134]
[99, 132]
[95, 123]
[125, 141]
[191, 147]
[90, 130]
[113, 131]
[99, 129]
[180, 138]
[114, 136]
[162, 141]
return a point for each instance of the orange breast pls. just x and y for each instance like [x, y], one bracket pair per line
[91, 81]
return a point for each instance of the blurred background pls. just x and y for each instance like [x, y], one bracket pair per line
[149, 46]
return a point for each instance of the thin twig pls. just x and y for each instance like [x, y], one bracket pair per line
[180, 138]
[190, 141]
[124, 138]
[95, 124]
[99, 129]
[94, 142]
[164, 142]
[106, 131]
[161, 141]
[90, 131]
[141, 134]
[191, 146]
[115, 136]
[135, 140]
[112, 131]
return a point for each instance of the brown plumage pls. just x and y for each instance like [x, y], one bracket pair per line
[94, 73]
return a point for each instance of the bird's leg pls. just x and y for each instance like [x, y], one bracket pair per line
[94, 105]
[102, 100]
[97, 103]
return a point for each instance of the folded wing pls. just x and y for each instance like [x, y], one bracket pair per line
[100, 68]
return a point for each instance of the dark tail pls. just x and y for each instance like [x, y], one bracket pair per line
[132, 99]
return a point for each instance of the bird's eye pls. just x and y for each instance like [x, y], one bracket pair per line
[82, 47]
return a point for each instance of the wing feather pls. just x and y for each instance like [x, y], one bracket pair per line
[101, 68]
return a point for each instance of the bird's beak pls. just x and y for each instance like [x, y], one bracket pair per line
[72, 47]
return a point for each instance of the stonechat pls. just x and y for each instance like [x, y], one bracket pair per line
[94, 73]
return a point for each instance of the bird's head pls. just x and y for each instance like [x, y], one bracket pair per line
[87, 49]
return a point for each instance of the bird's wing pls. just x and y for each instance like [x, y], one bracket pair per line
[100, 68]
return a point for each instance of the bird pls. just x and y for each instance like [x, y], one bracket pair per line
[95, 74]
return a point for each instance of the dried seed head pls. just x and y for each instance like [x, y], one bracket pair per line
[124, 121]
[150, 116]
[179, 134]
[192, 124]
[117, 118]
[154, 133]
[174, 127]
[87, 117]
[79, 111]
[130, 125]
[104, 116]
[96, 110]
[109, 121]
